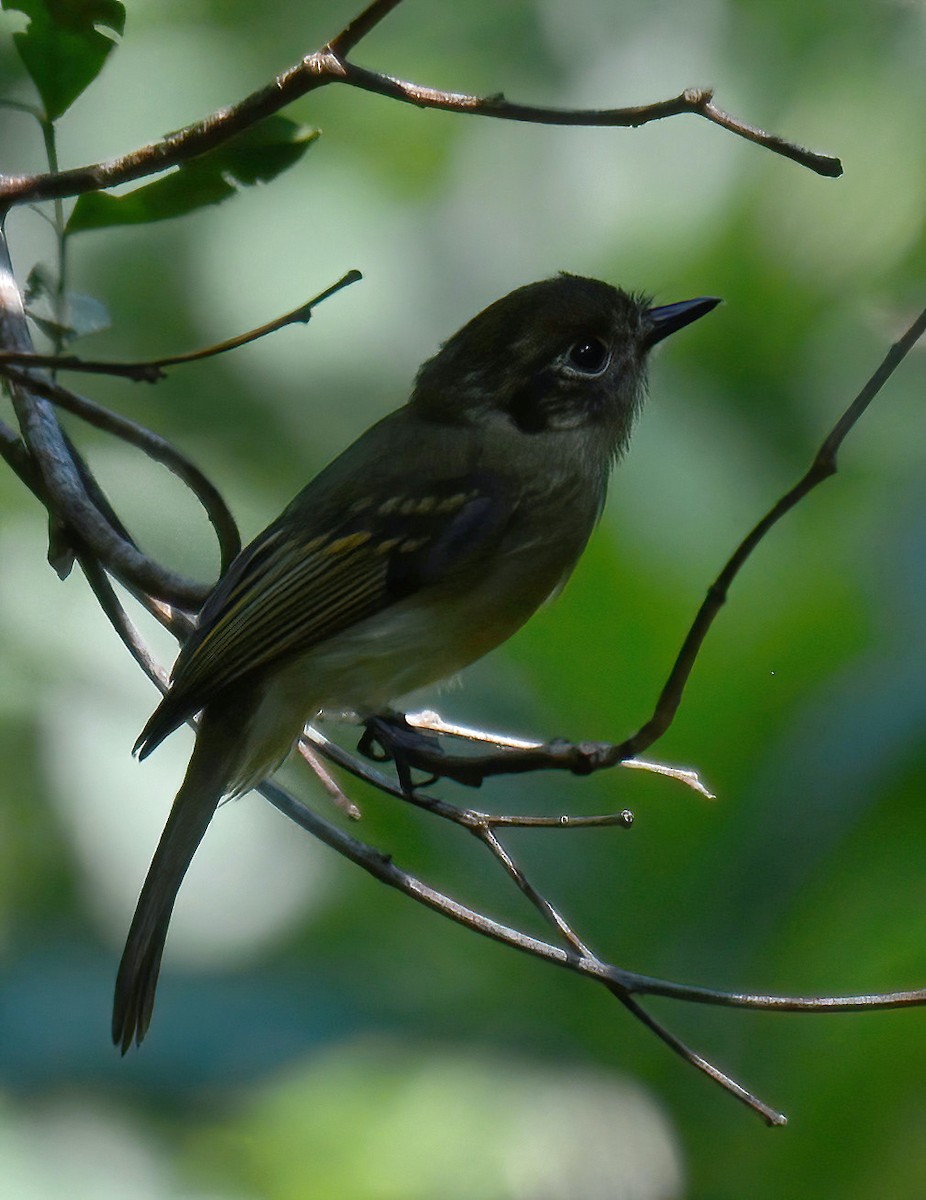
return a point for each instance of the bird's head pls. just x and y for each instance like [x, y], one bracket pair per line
[567, 353]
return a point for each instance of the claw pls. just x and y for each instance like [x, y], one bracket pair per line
[389, 737]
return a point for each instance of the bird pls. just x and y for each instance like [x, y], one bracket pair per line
[425, 544]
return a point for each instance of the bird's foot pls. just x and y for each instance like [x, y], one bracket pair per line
[388, 737]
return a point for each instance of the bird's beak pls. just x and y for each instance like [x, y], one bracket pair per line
[670, 317]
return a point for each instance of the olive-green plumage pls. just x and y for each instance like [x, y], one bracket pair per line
[428, 542]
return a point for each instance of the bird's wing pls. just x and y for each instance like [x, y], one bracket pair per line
[294, 586]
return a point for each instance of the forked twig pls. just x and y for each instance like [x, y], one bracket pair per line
[625, 985]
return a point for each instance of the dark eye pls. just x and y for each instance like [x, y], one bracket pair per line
[589, 355]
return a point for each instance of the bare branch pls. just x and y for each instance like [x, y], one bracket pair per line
[469, 818]
[822, 467]
[382, 867]
[330, 65]
[151, 370]
[763, 1002]
[549, 913]
[622, 820]
[328, 781]
[14, 452]
[696, 101]
[683, 775]
[433, 722]
[769, 1115]
[625, 985]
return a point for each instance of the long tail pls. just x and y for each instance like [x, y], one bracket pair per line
[202, 789]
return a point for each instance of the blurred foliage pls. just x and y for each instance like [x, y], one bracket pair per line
[315, 1036]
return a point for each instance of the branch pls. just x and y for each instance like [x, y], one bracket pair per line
[469, 818]
[433, 722]
[769, 1115]
[330, 65]
[625, 985]
[622, 984]
[554, 918]
[360, 26]
[103, 589]
[151, 370]
[695, 101]
[823, 466]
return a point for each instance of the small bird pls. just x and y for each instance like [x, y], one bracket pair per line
[425, 544]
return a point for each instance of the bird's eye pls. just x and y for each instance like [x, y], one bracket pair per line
[588, 355]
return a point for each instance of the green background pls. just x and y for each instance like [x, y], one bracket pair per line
[316, 1035]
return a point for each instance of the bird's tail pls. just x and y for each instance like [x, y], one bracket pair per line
[203, 787]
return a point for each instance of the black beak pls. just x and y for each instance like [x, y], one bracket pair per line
[671, 317]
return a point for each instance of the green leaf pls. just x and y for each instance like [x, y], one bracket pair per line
[72, 316]
[63, 47]
[255, 156]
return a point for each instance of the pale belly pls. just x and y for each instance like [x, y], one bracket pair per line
[366, 668]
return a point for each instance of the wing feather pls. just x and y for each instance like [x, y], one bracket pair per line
[290, 590]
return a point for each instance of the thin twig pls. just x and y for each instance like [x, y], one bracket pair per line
[621, 820]
[695, 101]
[330, 65]
[547, 910]
[469, 818]
[770, 1116]
[317, 764]
[151, 370]
[433, 722]
[625, 985]
[360, 26]
[763, 1002]
[382, 867]
[823, 466]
